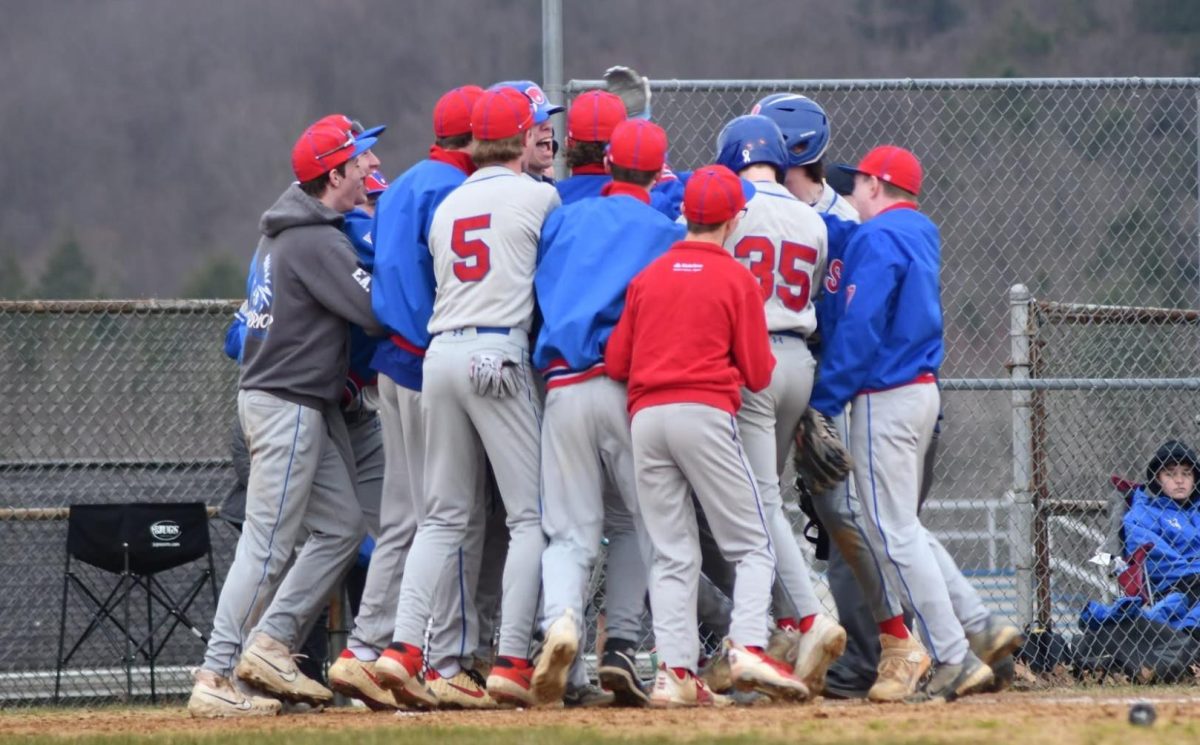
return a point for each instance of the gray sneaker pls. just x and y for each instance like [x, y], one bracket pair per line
[587, 697]
[949, 682]
[996, 641]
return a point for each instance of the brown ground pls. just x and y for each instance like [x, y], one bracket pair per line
[1089, 716]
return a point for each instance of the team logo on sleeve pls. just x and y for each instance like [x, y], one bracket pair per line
[258, 312]
[833, 278]
[363, 278]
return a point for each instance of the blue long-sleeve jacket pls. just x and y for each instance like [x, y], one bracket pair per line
[589, 252]
[666, 196]
[403, 284]
[1172, 529]
[839, 232]
[887, 320]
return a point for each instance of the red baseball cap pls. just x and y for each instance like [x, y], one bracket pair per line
[352, 126]
[452, 112]
[376, 184]
[323, 147]
[500, 114]
[638, 144]
[714, 195]
[892, 164]
[593, 115]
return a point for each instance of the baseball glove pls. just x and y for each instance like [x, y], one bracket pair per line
[632, 88]
[821, 458]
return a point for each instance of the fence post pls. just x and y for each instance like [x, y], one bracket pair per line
[1021, 511]
[552, 72]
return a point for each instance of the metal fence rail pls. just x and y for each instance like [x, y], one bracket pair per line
[1083, 190]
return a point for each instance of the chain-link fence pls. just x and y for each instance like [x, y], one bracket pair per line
[1083, 190]
[104, 402]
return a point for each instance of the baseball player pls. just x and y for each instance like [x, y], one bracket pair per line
[589, 252]
[590, 123]
[478, 395]
[307, 286]
[539, 156]
[402, 297]
[857, 586]
[693, 332]
[884, 355]
[805, 127]
[782, 241]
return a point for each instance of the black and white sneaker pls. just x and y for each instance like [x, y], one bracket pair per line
[618, 673]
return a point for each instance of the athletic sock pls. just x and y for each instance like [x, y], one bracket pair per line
[894, 626]
[449, 670]
[362, 652]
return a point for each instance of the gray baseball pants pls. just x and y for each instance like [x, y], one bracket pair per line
[300, 483]
[674, 446]
[461, 426]
[768, 421]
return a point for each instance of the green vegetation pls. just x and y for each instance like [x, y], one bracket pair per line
[68, 275]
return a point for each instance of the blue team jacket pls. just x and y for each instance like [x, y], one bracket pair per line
[666, 196]
[403, 284]
[887, 320]
[1172, 528]
[589, 252]
[839, 231]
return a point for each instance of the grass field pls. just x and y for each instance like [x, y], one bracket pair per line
[1055, 718]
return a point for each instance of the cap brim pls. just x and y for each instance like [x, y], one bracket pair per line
[847, 168]
[372, 132]
[362, 144]
[543, 113]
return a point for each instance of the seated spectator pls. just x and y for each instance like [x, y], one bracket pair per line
[1164, 517]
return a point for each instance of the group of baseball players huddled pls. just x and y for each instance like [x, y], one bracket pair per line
[622, 358]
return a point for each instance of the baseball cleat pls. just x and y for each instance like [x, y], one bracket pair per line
[356, 679]
[997, 640]
[784, 645]
[716, 674]
[269, 665]
[587, 696]
[398, 669]
[673, 691]
[464, 690]
[618, 673]
[215, 697]
[902, 664]
[510, 682]
[950, 681]
[549, 681]
[819, 648]
[754, 670]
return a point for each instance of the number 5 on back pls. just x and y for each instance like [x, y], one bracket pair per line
[475, 254]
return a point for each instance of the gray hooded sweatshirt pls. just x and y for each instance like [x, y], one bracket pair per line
[305, 285]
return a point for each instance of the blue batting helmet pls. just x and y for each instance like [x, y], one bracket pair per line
[803, 122]
[752, 139]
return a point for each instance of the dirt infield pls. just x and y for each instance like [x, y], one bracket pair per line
[1012, 718]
